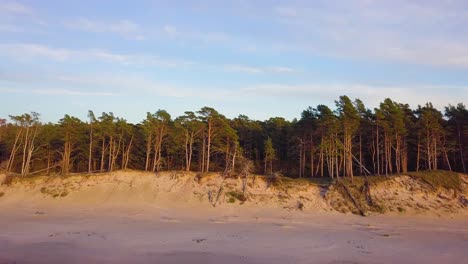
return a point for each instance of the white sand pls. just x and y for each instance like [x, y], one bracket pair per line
[60, 234]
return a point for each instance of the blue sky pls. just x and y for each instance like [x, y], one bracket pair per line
[259, 58]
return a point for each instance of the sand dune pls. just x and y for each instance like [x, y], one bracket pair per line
[136, 217]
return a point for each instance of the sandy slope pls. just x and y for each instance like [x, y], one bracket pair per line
[397, 195]
[136, 217]
[133, 188]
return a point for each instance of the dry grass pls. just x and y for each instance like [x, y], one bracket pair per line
[439, 179]
[358, 190]
[233, 196]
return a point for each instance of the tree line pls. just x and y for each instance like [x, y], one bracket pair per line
[346, 141]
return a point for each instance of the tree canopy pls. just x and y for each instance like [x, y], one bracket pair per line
[349, 140]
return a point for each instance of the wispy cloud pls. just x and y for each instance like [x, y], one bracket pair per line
[55, 92]
[427, 33]
[32, 51]
[258, 70]
[131, 84]
[190, 35]
[371, 94]
[170, 30]
[14, 8]
[124, 28]
[307, 93]
[59, 91]
[29, 51]
[10, 28]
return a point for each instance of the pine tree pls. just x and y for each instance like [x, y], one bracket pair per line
[269, 156]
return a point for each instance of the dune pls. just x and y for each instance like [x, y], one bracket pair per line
[179, 217]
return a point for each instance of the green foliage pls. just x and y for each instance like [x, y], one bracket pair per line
[270, 153]
[324, 142]
[250, 136]
[348, 114]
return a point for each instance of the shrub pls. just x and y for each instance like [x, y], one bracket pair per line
[236, 196]
[300, 205]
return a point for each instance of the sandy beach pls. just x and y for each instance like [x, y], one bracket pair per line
[136, 217]
[204, 235]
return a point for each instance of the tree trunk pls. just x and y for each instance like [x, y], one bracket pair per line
[25, 148]
[429, 150]
[460, 146]
[186, 151]
[15, 148]
[208, 147]
[90, 154]
[30, 151]
[148, 152]
[103, 153]
[404, 158]
[189, 164]
[111, 152]
[127, 155]
[377, 145]
[419, 153]
[360, 152]
[48, 160]
[203, 153]
[311, 157]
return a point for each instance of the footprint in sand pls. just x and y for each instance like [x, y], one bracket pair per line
[78, 233]
[169, 219]
[199, 240]
[218, 222]
[285, 226]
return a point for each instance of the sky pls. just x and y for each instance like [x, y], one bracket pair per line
[262, 58]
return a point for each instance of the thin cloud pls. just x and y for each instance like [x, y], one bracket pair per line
[370, 94]
[258, 70]
[428, 33]
[11, 28]
[55, 92]
[35, 50]
[32, 51]
[170, 30]
[190, 36]
[14, 8]
[124, 28]
[68, 92]
[307, 93]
